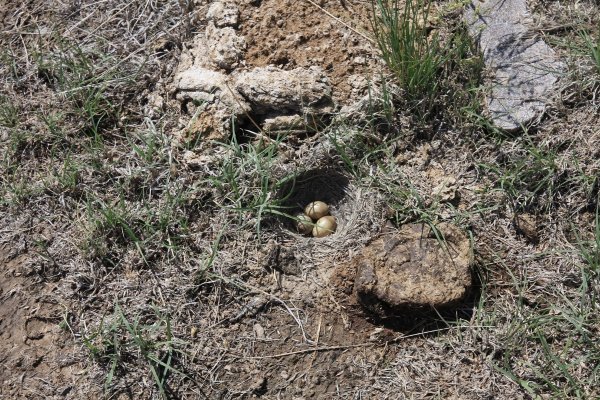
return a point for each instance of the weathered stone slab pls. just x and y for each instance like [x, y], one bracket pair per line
[414, 269]
[274, 90]
[523, 68]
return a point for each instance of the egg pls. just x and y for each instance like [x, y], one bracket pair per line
[316, 210]
[324, 226]
[304, 224]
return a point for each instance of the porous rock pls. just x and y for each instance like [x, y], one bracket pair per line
[210, 90]
[225, 47]
[273, 90]
[413, 269]
[223, 14]
[445, 189]
[523, 67]
[200, 80]
[207, 86]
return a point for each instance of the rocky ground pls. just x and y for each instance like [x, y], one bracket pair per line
[153, 155]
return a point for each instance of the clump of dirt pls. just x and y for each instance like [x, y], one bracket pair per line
[414, 269]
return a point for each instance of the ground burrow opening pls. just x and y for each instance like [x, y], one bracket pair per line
[294, 128]
[326, 184]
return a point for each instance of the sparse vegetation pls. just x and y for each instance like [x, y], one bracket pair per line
[435, 73]
[167, 261]
[121, 343]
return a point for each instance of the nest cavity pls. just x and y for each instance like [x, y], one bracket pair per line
[359, 212]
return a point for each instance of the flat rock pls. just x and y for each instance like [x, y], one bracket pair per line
[273, 90]
[524, 69]
[412, 269]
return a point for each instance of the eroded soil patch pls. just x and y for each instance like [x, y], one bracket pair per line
[39, 357]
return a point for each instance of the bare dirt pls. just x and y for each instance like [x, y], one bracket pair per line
[294, 34]
[39, 356]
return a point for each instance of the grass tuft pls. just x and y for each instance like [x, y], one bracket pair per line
[123, 341]
[9, 114]
[244, 180]
[592, 47]
[413, 56]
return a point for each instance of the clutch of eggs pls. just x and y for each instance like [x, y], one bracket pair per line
[316, 220]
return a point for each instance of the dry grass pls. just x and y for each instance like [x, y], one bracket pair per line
[164, 269]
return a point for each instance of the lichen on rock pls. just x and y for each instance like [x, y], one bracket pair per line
[524, 69]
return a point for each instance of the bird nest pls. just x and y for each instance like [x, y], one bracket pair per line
[359, 213]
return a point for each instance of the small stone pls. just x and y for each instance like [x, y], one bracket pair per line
[526, 225]
[259, 331]
[285, 124]
[446, 190]
[225, 47]
[414, 270]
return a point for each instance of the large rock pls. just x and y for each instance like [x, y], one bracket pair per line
[523, 67]
[271, 90]
[414, 269]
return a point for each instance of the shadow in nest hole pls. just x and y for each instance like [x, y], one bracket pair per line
[251, 127]
[324, 184]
